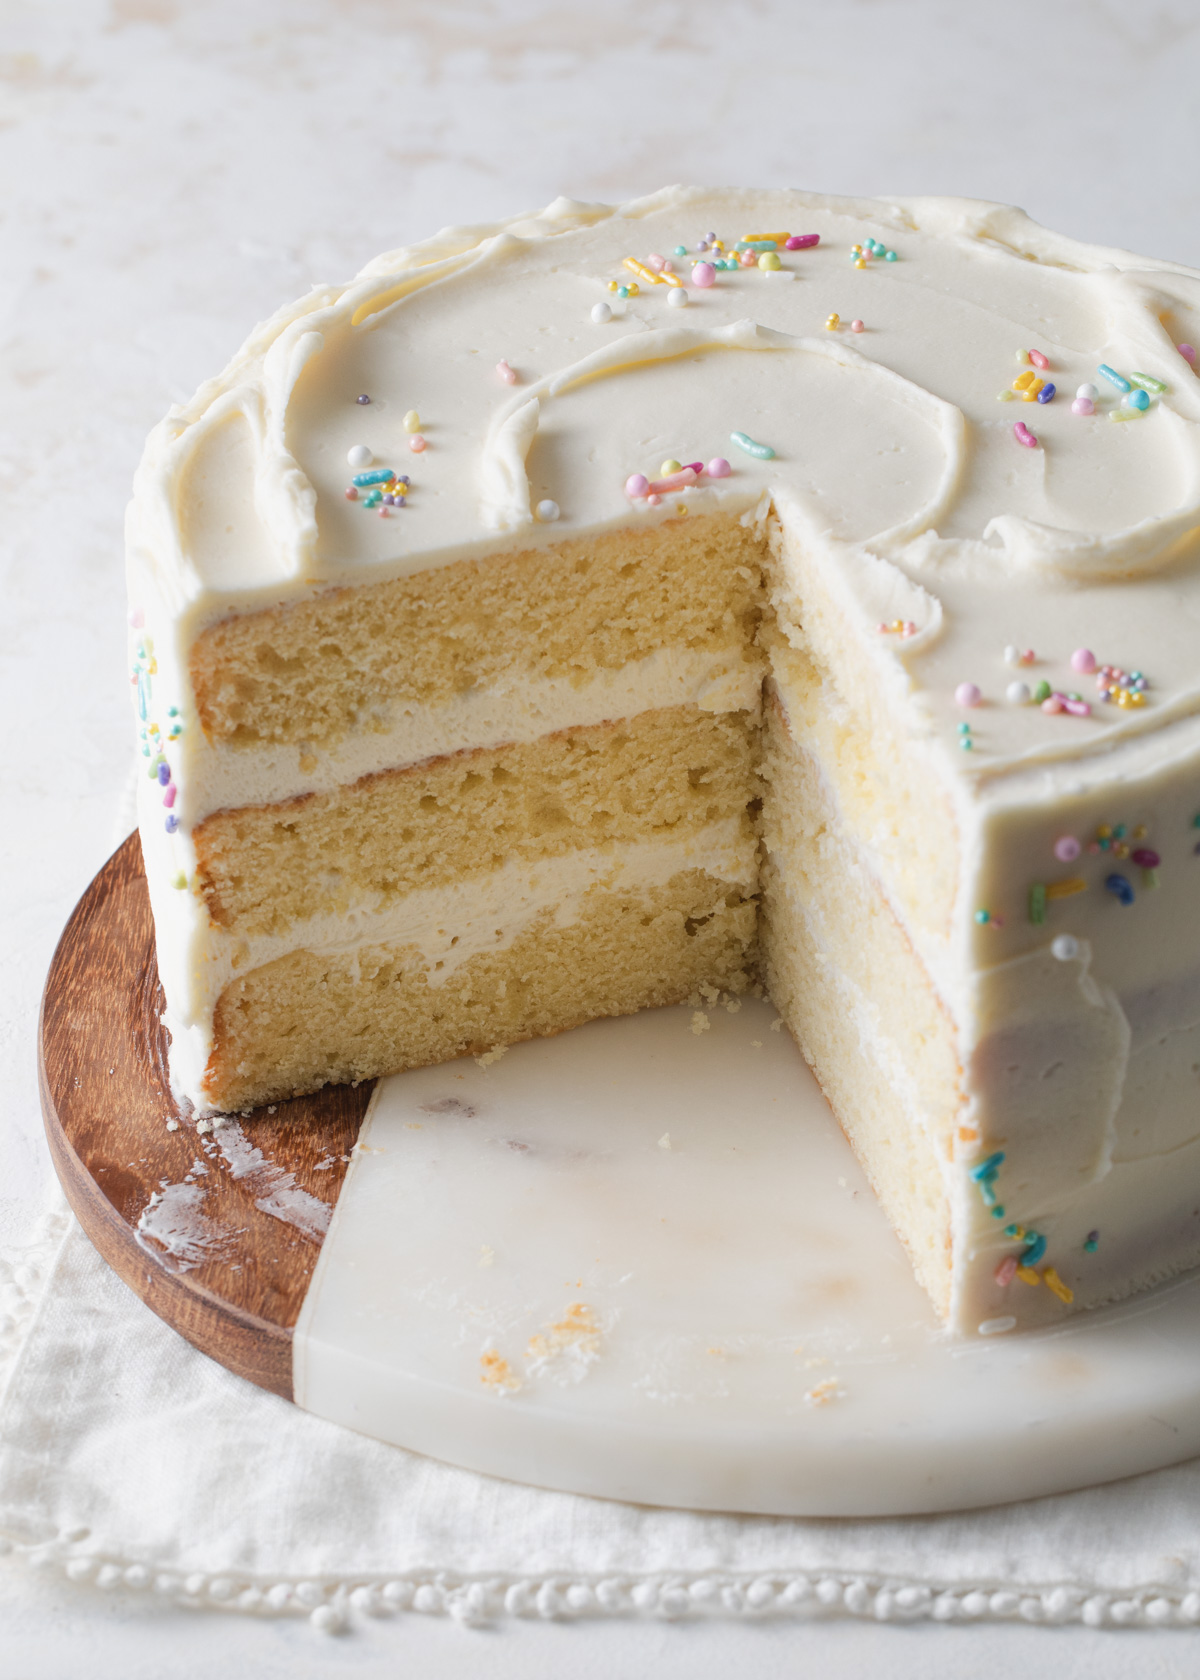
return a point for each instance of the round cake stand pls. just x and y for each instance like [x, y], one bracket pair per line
[636, 1261]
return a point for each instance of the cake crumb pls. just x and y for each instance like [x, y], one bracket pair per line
[487, 1255]
[824, 1392]
[664, 1141]
[756, 1044]
[172, 1125]
[777, 1023]
[733, 1004]
[204, 1127]
[819, 1360]
[492, 1055]
[700, 1022]
[710, 994]
[497, 1374]
[841, 1183]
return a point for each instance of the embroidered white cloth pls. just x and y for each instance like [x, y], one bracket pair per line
[125, 1456]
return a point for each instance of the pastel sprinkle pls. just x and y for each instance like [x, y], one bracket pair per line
[383, 475]
[1091, 1242]
[1187, 351]
[363, 400]
[856, 327]
[1023, 435]
[416, 443]
[718, 467]
[761, 451]
[677, 297]
[1124, 414]
[1137, 399]
[1055, 1283]
[547, 511]
[968, 694]
[805, 242]
[1047, 393]
[506, 373]
[769, 260]
[889, 256]
[1006, 1271]
[1083, 659]
[703, 275]
[636, 485]
[1038, 360]
[1017, 694]
[1119, 887]
[601, 314]
[1147, 382]
[1067, 848]
[1083, 405]
[670, 466]
[359, 456]
[1064, 948]
[832, 322]
[1113, 377]
[412, 421]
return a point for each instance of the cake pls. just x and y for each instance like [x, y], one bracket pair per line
[620, 606]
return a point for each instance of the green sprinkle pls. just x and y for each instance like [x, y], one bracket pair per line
[1146, 382]
[1042, 691]
[1037, 903]
[761, 451]
[982, 916]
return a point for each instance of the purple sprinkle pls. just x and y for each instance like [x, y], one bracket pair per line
[172, 823]
[1046, 394]
[1146, 858]
[401, 501]
[802, 241]
[364, 399]
[1187, 351]
[164, 774]
[390, 500]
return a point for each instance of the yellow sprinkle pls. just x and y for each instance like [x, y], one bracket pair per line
[1054, 1282]
[1124, 413]
[1031, 391]
[1023, 356]
[612, 285]
[1104, 832]
[669, 467]
[860, 262]
[1023, 381]
[833, 323]
[1027, 1274]
[681, 508]
[1137, 698]
[769, 260]
[1005, 396]
[646, 274]
[633, 289]
[1139, 832]
[1066, 889]
[753, 238]
[412, 421]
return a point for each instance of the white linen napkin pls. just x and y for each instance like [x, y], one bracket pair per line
[126, 1458]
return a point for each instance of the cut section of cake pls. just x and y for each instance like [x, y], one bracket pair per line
[591, 613]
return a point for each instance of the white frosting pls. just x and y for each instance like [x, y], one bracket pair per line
[893, 461]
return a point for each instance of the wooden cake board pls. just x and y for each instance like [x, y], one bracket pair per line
[637, 1261]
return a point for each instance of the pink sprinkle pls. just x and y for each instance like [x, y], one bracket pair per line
[416, 443]
[968, 694]
[653, 500]
[1056, 703]
[704, 274]
[656, 262]
[1006, 1271]
[169, 796]
[882, 629]
[694, 466]
[718, 467]
[1083, 659]
[1067, 848]
[1028, 657]
[636, 485]
[137, 619]
[1038, 360]
[1187, 351]
[506, 373]
[677, 481]
[1023, 435]
[802, 241]
[1083, 405]
[352, 494]
[748, 259]
[856, 326]
[384, 512]
[908, 628]
[1077, 708]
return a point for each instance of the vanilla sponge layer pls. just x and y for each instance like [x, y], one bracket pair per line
[312, 1018]
[654, 777]
[318, 670]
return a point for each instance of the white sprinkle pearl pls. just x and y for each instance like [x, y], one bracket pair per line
[1065, 948]
[1012, 655]
[677, 297]
[547, 512]
[1017, 694]
[359, 456]
[1089, 393]
[601, 314]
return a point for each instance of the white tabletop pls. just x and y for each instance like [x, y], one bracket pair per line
[169, 173]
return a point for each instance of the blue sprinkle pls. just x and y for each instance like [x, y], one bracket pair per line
[172, 823]
[997, 1212]
[762, 451]
[1113, 377]
[1119, 887]
[361, 479]
[988, 1168]
[1138, 399]
[1047, 393]
[164, 774]
[1037, 1247]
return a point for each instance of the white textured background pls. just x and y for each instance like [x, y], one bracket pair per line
[170, 171]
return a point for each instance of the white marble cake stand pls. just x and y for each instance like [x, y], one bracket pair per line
[642, 1263]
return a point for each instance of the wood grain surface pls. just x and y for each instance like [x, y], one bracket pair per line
[238, 1236]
